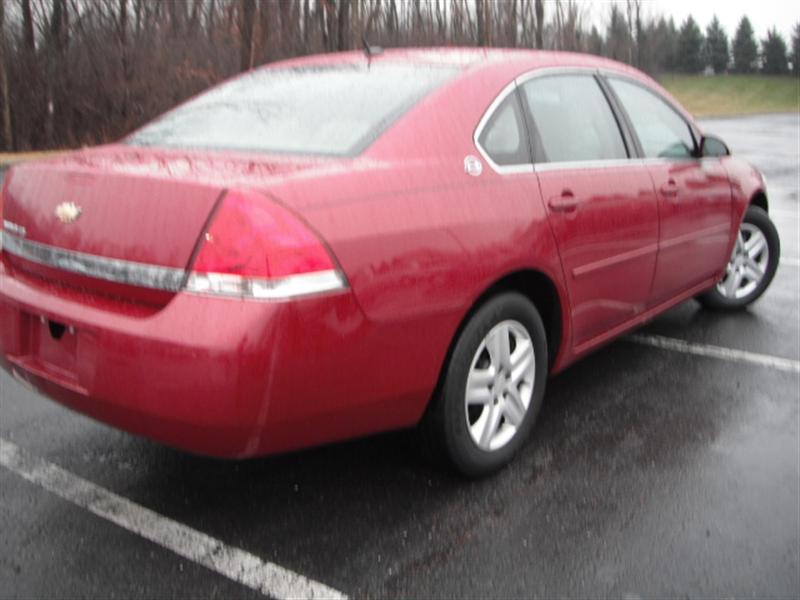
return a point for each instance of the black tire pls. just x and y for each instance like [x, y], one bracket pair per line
[758, 218]
[445, 425]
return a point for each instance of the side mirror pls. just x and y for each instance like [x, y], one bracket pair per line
[711, 145]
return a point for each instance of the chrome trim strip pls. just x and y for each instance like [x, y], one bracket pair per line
[609, 164]
[669, 161]
[14, 228]
[586, 164]
[171, 279]
[100, 267]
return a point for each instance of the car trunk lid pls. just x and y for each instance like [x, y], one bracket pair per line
[90, 228]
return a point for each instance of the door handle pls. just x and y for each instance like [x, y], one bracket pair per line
[566, 202]
[670, 189]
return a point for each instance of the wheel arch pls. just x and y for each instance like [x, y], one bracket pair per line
[760, 199]
[540, 289]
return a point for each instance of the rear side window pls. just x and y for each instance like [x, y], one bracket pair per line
[503, 138]
[573, 119]
[662, 132]
[330, 110]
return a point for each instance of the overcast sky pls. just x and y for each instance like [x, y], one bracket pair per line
[763, 14]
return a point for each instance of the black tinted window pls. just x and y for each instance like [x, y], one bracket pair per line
[662, 132]
[503, 138]
[715, 147]
[311, 110]
[573, 119]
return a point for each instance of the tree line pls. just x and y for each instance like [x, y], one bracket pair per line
[81, 72]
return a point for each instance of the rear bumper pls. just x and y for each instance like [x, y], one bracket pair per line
[221, 377]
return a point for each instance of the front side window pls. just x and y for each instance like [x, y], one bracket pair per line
[326, 110]
[503, 137]
[662, 132]
[573, 119]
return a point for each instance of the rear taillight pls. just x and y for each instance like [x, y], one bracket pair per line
[255, 248]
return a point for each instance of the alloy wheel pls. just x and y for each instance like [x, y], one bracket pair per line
[500, 385]
[748, 264]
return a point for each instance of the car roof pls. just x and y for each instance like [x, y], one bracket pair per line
[515, 61]
[465, 58]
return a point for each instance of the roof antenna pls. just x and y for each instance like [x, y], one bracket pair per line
[370, 51]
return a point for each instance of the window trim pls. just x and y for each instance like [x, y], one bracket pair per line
[693, 132]
[521, 120]
[488, 115]
[630, 149]
[635, 153]
[631, 139]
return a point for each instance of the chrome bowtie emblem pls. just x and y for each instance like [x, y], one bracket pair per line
[68, 212]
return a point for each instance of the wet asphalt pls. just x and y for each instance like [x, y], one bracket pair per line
[650, 473]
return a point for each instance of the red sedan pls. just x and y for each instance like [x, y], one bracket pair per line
[340, 245]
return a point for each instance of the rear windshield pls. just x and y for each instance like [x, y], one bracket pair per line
[332, 110]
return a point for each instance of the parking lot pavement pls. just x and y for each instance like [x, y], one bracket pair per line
[651, 472]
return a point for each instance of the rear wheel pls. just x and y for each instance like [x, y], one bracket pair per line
[493, 386]
[752, 264]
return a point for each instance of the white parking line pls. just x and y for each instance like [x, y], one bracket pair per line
[233, 563]
[742, 356]
[790, 261]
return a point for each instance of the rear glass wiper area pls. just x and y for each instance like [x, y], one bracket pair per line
[330, 111]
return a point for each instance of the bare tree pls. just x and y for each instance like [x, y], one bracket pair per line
[27, 28]
[539, 23]
[568, 26]
[342, 22]
[511, 22]
[634, 8]
[247, 11]
[480, 15]
[54, 49]
[618, 45]
[8, 136]
[83, 71]
[638, 36]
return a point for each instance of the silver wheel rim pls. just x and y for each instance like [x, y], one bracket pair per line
[500, 385]
[748, 263]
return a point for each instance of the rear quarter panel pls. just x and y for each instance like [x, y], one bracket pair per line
[420, 240]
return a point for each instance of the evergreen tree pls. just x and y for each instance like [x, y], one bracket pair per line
[745, 51]
[671, 46]
[690, 45]
[796, 49]
[773, 49]
[661, 40]
[716, 47]
[618, 44]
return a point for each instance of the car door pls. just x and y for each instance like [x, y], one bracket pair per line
[600, 203]
[694, 195]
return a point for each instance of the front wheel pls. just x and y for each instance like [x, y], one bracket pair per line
[492, 388]
[752, 264]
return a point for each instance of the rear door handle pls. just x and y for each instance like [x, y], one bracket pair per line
[670, 189]
[566, 202]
